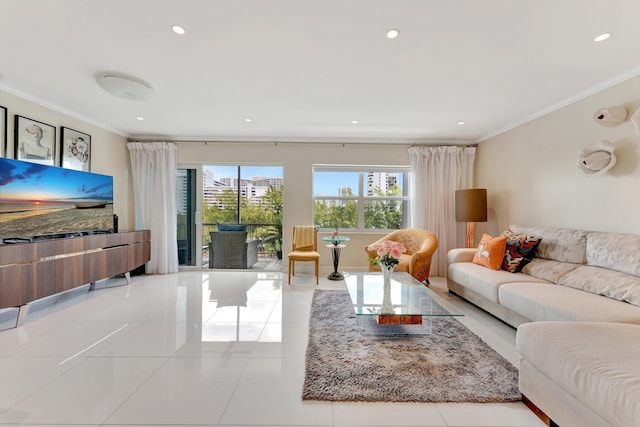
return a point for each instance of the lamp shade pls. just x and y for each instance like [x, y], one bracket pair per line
[471, 205]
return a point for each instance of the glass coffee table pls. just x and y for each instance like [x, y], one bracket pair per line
[405, 302]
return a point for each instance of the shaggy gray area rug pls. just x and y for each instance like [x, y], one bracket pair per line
[450, 364]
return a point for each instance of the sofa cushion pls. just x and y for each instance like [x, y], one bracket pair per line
[232, 227]
[615, 251]
[484, 281]
[519, 250]
[596, 363]
[548, 269]
[559, 244]
[600, 281]
[490, 251]
[539, 302]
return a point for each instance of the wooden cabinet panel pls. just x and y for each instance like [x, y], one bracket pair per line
[30, 271]
[12, 254]
[137, 253]
[17, 284]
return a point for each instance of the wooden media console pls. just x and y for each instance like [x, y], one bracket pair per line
[35, 270]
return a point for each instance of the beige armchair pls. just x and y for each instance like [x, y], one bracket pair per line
[305, 248]
[420, 245]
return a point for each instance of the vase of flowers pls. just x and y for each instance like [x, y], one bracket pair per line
[387, 257]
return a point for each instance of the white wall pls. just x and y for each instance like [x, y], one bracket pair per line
[297, 161]
[531, 175]
[109, 152]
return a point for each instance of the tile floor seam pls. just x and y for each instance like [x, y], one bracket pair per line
[230, 398]
[41, 387]
[105, 421]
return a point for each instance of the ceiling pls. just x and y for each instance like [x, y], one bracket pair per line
[304, 70]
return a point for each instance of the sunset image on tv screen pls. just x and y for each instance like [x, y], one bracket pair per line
[37, 200]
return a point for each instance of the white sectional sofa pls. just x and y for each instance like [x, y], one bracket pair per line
[577, 309]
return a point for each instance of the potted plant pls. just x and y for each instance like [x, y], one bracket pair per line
[273, 236]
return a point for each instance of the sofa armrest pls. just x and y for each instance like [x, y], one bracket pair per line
[461, 255]
[252, 252]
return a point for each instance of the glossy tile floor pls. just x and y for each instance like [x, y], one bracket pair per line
[207, 348]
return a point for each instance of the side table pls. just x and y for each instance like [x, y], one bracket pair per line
[336, 245]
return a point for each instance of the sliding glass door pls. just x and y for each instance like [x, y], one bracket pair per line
[240, 194]
[208, 195]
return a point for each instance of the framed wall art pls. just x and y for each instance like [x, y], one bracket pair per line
[75, 150]
[34, 141]
[3, 131]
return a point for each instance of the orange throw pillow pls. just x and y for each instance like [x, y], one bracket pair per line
[490, 251]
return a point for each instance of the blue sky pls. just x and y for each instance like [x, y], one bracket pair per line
[325, 183]
[328, 183]
[247, 172]
[30, 181]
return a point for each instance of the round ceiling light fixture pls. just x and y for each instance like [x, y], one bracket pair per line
[602, 37]
[393, 33]
[178, 30]
[124, 87]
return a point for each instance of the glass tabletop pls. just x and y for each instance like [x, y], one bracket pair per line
[405, 297]
[336, 240]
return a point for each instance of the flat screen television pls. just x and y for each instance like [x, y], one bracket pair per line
[39, 201]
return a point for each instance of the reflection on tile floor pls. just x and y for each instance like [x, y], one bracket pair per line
[207, 348]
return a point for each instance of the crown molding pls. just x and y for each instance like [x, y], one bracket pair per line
[575, 98]
[57, 109]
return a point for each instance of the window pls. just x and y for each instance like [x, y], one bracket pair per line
[360, 198]
[250, 195]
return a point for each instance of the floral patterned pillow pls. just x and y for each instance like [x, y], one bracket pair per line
[519, 250]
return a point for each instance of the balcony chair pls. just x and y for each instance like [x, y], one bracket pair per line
[304, 248]
[420, 245]
[230, 249]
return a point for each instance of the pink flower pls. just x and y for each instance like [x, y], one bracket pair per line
[396, 252]
[387, 252]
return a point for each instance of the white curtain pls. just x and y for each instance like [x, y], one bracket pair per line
[436, 173]
[154, 168]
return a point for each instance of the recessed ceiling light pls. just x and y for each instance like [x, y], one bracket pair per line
[140, 118]
[354, 122]
[248, 120]
[178, 29]
[602, 37]
[393, 33]
[460, 123]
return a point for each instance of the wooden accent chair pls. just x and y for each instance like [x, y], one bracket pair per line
[305, 248]
[420, 244]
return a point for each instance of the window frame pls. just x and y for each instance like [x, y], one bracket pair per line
[362, 198]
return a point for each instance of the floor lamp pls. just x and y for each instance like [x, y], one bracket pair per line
[471, 207]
